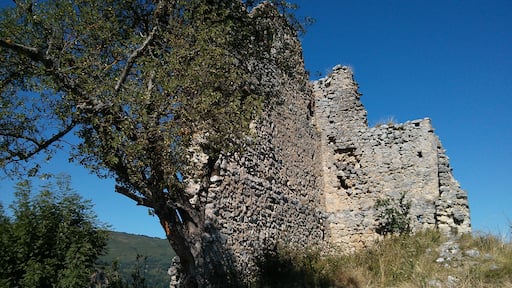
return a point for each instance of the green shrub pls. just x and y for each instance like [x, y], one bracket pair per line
[393, 215]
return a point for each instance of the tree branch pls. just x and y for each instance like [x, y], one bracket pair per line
[31, 52]
[40, 145]
[36, 55]
[8, 79]
[19, 136]
[140, 200]
[131, 60]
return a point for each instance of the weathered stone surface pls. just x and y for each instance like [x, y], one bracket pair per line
[314, 172]
[269, 192]
[361, 164]
[315, 169]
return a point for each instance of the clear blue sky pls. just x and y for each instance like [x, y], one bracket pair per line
[447, 60]
[444, 59]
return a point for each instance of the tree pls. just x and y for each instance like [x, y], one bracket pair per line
[139, 82]
[5, 238]
[52, 240]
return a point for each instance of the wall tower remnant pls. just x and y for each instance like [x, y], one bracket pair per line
[361, 164]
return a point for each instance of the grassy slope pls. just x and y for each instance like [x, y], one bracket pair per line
[125, 247]
[424, 260]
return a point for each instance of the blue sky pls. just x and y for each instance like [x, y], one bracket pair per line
[447, 60]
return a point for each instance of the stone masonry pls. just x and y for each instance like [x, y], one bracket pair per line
[269, 193]
[361, 164]
[313, 170]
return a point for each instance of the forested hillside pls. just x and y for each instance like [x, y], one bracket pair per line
[124, 248]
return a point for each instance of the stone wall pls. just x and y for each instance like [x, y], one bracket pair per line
[268, 193]
[361, 164]
[313, 169]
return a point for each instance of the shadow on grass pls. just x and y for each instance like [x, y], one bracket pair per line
[292, 269]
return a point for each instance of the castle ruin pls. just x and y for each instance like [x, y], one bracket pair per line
[361, 164]
[313, 173]
[313, 169]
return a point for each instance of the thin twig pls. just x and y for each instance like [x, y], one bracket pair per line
[133, 56]
[40, 145]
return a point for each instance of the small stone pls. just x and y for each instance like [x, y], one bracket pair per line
[452, 281]
[473, 253]
[435, 283]
[216, 178]
[224, 164]
[193, 200]
[337, 67]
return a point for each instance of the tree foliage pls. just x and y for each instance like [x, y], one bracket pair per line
[139, 82]
[52, 239]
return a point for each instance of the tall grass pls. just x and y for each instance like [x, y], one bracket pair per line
[398, 261]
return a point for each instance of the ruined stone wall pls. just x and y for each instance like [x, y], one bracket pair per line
[312, 170]
[268, 193]
[315, 169]
[361, 164]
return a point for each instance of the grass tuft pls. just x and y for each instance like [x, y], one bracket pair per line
[426, 259]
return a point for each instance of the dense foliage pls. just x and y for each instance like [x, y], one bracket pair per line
[138, 82]
[52, 239]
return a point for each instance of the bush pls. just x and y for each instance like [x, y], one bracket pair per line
[393, 215]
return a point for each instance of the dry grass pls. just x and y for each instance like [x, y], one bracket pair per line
[408, 261]
[388, 120]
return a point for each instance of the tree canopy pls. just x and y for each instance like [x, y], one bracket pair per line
[52, 239]
[133, 83]
[129, 77]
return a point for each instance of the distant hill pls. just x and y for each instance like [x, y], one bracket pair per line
[124, 248]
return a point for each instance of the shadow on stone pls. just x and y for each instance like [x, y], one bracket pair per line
[222, 271]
